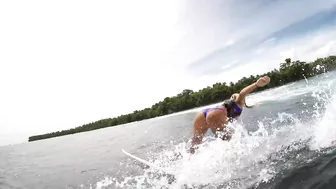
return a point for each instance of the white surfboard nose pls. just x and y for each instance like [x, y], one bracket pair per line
[148, 163]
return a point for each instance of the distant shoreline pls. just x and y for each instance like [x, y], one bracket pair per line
[187, 100]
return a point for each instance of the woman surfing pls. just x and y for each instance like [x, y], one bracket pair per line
[218, 117]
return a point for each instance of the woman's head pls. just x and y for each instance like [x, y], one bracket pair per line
[235, 96]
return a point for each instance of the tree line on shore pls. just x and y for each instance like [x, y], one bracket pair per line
[289, 71]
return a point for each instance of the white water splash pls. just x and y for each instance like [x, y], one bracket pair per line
[325, 130]
[237, 164]
[104, 183]
[245, 160]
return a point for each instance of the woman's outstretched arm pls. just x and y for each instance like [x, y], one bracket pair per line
[244, 92]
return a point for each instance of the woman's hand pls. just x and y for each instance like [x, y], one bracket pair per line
[244, 92]
[263, 81]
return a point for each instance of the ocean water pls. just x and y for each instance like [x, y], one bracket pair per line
[286, 141]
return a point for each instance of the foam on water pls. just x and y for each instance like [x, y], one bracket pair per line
[325, 130]
[236, 164]
[250, 157]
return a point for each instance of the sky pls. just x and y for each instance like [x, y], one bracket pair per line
[67, 63]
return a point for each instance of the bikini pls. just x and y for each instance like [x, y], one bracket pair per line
[231, 107]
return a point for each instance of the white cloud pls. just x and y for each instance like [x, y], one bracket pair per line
[67, 63]
[210, 25]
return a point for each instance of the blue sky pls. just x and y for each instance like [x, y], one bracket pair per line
[239, 32]
[67, 63]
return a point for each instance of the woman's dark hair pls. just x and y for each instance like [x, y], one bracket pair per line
[247, 105]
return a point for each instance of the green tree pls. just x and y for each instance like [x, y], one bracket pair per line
[289, 71]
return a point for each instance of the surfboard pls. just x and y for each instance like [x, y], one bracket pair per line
[148, 163]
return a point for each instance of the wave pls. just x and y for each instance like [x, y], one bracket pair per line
[280, 152]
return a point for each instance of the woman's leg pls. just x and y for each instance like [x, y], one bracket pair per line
[222, 132]
[199, 130]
